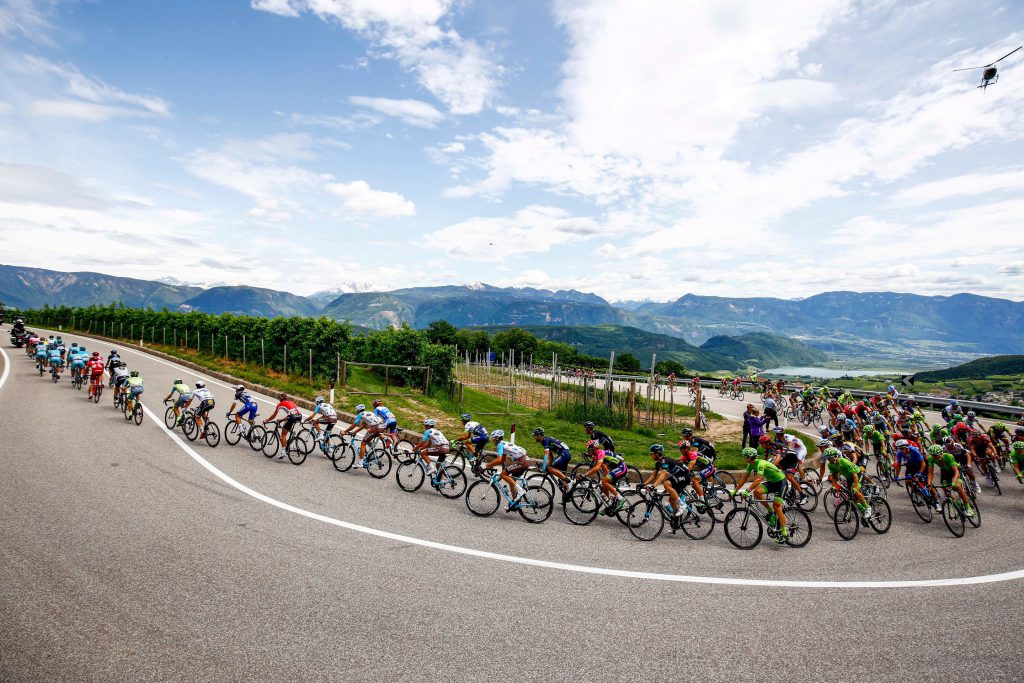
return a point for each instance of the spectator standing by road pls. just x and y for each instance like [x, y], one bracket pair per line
[757, 424]
[770, 411]
[746, 425]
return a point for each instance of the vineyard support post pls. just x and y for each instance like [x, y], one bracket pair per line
[165, 335]
[227, 354]
[310, 363]
[551, 387]
[285, 365]
[696, 408]
[387, 379]
[243, 348]
[632, 403]
[337, 367]
[650, 389]
[263, 353]
[426, 383]
[343, 375]
[608, 381]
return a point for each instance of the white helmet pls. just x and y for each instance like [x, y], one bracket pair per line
[498, 434]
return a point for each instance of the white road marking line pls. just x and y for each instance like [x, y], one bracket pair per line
[7, 368]
[547, 564]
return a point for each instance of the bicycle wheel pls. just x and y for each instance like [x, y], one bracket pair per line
[256, 436]
[170, 418]
[295, 450]
[812, 477]
[952, 517]
[232, 432]
[305, 440]
[629, 496]
[847, 520]
[582, 506]
[743, 528]
[698, 522]
[739, 395]
[542, 480]
[451, 482]
[811, 503]
[798, 524]
[378, 463]
[918, 502]
[581, 468]
[409, 476]
[536, 505]
[335, 446]
[482, 498]
[96, 395]
[645, 520]
[882, 470]
[881, 515]
[995, 483]
[343, 458]
[271, 444]
[975, 519]
[212, 435]
[830, 502]
[190, 428]
[633, 476]
[137, 413]
[403, 451]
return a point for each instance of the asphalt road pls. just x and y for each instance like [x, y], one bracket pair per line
[124, 557]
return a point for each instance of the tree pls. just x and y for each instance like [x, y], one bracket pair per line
[667, 367]
[516, 339]
[627, 362]
[472, 340]
[442, 332]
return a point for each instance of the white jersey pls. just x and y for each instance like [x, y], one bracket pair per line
[327, 410]
[366, 419]
[515, 454]
[470, 426]
[435, 438]
[796, 445]
[202, 394]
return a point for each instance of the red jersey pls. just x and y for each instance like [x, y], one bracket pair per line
[289, 407]
[95, 367]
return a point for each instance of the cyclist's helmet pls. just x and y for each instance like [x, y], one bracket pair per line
[687, 432]
[200, 384]
[282, 396]
[749, 453]
[74, 344]
[954, 402]
[830, 453]
[539, 431]
[465, 417]
[430, 423]
[824, 429]
[360, 408]
[935, 449]
[113, 352]
[239, 388]
[1018, 445]
[868, 430]
[498, 434]
[95, 354]
[971, 413]
[778, 430]
[946, 440]
[588, 425]
[377, 402]
[766, 440]
[179, 381]
[657, 450]
[319, 400]
[902, 443]
[824, 443]
[848, 448]
[135, 373]
[999, 426]
[592, 444]
[1019, 430]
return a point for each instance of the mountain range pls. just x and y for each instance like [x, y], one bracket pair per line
[892, 325]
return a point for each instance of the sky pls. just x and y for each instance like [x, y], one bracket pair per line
[638, 149]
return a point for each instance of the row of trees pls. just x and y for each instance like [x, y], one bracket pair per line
[266, 340]
[527, 345]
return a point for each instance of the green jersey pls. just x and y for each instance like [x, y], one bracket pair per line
[945, 462]
[876, 438]
[768, 470]
[135, 381]
[182, 390]
[841, 467]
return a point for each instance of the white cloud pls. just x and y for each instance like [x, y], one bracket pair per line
[968, 184]
[531, 229]
[341, 123]
[83, 111]
[453, 148]
[30, 18]
[413, 112]
[359, 197]
[455, 70]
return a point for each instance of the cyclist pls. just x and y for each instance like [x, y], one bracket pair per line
[556, 456]
[55, 359]
[949, 411]
[476, 434]
[119, 377]
[324, 417]
[963, 458]
[611, 467]
[292, 416]
[248, 405]
[95, 369]
[876, 438]
[205, 400]
[113, 359]
[949, 474]
[390, 421]
[433, 442]
[76, 361]
[514, 462]
[790, 459]
[702, 446]
[839, 466]
[984, 452]
[673, 475]
[691, 459]
[1017, 459]
[133, 386]
[912, 456]
[767, 480]
[368, 421]
[999, 434]
[184, 396]
[600, 437]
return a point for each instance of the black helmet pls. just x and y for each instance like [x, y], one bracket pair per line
[588, 425]
[657, 449]
[539, 431]
[179, 381]
[687, 431]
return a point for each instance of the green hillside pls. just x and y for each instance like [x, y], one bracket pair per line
[761, 350]
[976, 369]
[255, 301]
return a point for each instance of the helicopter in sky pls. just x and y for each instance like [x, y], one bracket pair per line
[990, 75]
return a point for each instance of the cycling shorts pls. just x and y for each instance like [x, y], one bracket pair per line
[618, 472]
[392, 427]
[517, 469]
[561, 461]
[774, 488]
[40, 354]
[182, 400]
[706, 472]
[290, 421]
[59, 362]
[961, 459]
[204, 407]
[78, 364]
[681, 480]
[862, 460]
[248, 411]
[120, 381]
[914, 467]
[136, 391]
[789, 461]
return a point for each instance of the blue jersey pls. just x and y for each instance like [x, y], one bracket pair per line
[385, 414]
[909, 455]
[554, 446]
